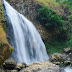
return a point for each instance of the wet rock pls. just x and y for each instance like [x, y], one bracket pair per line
[11, 71]
[67, 50]
[19, 66]
[24, 64]
[42, 67]
[57, 63]
[9, 63]
[57, 57]
[1, 70]
[62, 70]
[67, 63]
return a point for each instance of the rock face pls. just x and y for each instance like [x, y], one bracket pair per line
[42, 67]
[5, 48]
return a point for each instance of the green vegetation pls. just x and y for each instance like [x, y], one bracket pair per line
[47, 2]
[54, 24]
[68, 3]
[2, 18]
[70, 22]
[50, 19]
[51, 4]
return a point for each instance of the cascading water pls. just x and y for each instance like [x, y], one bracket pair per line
[23, 36]
[68, 69]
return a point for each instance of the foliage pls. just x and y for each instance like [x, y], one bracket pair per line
[70, 18]
[50, 19]
[70, 22]
[52, 22]
[54, 47]
[68, 3]
[2, 18]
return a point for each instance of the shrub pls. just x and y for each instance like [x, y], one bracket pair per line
[49, 19]
[52, 22]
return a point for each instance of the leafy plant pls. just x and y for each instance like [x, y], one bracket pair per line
[52, 22]
[50, 19]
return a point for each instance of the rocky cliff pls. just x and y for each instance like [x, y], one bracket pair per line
[5, 48]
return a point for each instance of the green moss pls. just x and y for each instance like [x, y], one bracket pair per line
[10, 48]
[2, 24]
[2, 18]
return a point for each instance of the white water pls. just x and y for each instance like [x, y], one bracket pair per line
[29, 46]
[68, 69]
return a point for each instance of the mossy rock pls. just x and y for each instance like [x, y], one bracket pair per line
[5, 48]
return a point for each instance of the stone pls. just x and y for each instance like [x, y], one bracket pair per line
[67, 50]
[62, 70]
[42, 67]
[1, 70]
[19, 66]
[9, 63]
[11, 71]
[57, 63]
[58, 57]
[24, 64]
[67, 63]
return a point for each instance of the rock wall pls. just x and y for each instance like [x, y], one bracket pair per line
[5, 48]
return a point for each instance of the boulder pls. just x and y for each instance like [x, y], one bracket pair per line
[19, 66]
[67, 50]
[9, 64]
[42, 67]
[58, 57]
[1, 70]
[62, 70]
[11, 71]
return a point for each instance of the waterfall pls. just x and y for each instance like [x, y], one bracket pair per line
[68, 69]
[23, 36]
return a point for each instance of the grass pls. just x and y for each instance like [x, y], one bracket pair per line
[56, 46]
[46, 2]
[51, 4]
